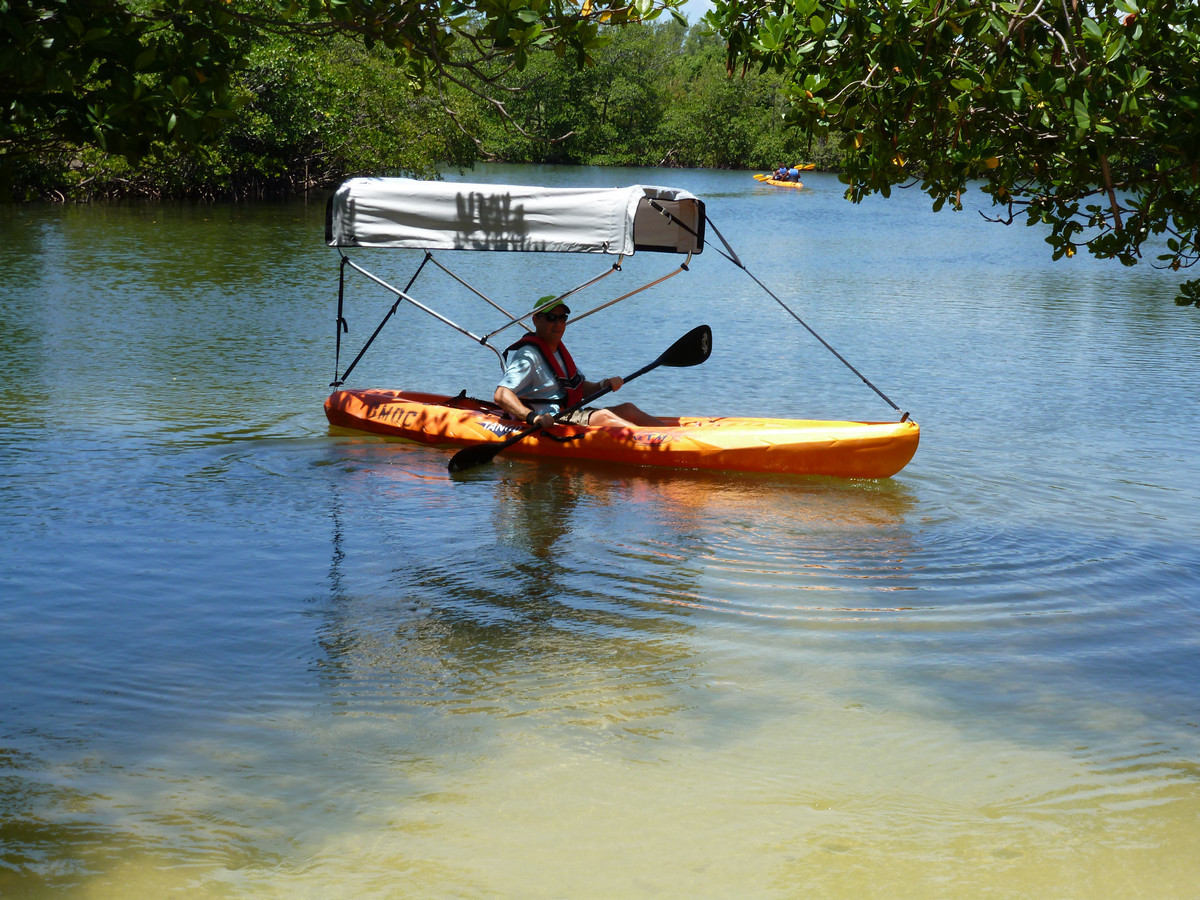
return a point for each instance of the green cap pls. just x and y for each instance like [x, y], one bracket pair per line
[547, 303]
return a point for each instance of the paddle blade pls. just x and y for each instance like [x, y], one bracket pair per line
[470, 457]
[690, 350]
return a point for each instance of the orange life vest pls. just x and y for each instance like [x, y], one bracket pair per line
[570, 380]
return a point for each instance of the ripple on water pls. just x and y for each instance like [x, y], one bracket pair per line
[948, 577]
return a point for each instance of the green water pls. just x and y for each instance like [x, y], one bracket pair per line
[242, 655]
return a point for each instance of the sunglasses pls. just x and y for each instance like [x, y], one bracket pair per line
[555, 317]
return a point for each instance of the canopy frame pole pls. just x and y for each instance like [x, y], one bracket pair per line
[515, 319]
[340, 325]
[682, 267]
[403, 295]
[478, 293]
[338, 382]
[617, 265]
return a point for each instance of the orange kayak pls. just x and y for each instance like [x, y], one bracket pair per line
[795, 446]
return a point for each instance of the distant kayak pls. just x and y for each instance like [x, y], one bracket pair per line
[767, 179]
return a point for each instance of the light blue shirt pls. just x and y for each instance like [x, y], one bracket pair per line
[529, 377]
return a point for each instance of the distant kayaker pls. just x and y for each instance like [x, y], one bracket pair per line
[793, 174]
[540, 378]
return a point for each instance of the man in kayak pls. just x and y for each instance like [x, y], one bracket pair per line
[540, 378]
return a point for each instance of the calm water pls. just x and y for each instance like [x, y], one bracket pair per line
[242, 655]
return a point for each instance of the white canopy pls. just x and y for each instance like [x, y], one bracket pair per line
[441, 215]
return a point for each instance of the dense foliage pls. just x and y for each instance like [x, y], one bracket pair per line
[309, 111]
[307, 116]
[144, 78]
[1082, 116]
[655, 96]
[95, 72]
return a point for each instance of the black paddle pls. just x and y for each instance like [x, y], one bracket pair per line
[690, 350]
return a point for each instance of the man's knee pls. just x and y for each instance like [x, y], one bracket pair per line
[607, 417]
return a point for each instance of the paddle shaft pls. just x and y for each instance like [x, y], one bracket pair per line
[486, 452]
[690, 350]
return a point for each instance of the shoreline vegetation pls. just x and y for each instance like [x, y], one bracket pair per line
[1085, 125]
[313, 114]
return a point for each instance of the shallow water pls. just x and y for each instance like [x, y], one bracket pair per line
[245, 655]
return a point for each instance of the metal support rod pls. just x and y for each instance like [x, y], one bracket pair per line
[682, 268]
[401, 295]
[615, 267]
[478, 293]
[340, 325]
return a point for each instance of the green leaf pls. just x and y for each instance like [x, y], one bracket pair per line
[1115, 48]
[1083, 118]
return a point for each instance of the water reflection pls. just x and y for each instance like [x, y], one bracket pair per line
[534, 514]
[510, 622]
[569, 567]
[574, 595]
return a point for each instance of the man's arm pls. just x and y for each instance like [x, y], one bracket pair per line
[511, 404]
[593, 387]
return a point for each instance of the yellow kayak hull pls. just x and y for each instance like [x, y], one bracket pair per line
[779, 182]
[793, 446]
[766, 179]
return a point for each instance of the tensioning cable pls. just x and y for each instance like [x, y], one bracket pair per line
[732, 256]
